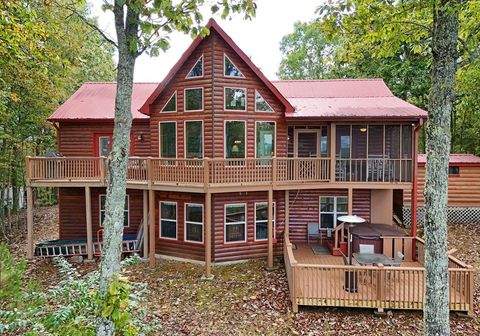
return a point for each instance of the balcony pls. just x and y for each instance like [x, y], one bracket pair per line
[198, 175]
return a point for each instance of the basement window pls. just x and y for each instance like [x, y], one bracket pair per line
[194, 222]
[235, 223]
[126, 219]
[168, 220]
[261, 220]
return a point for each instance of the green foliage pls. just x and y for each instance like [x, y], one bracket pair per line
[11, 276]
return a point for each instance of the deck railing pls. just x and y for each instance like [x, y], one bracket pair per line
[211, 172]
[378, 287]
[373, 170]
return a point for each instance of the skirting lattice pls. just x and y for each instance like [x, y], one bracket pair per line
[455, 215]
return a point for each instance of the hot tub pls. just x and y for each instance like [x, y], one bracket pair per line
[366, 238]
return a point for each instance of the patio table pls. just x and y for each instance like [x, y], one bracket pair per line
[372, 258]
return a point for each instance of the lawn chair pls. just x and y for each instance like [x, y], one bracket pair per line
[313, 232]
[397, 261]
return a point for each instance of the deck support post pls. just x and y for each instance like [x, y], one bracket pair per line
[270, 229]
[88, 216]
[208, 236]
[287, 213]
[29, 223]
[145, 224]
[350, 201]
[151, 224]
[333, 132]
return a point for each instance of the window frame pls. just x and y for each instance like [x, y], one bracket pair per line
[160, 138]
[225, 98]
[194, 64]
[454, 174]
[185, 222]
[225, 139]
[274, 138]
[334, 213]
[224, 68]
[185, 142]
[255, 101]
[274, 217]
[100, 225]
[185, 98]
[170, 220]
[168, 100]
[235, 223]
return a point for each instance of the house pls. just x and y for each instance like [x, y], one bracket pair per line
[226, 165]
[463, 190]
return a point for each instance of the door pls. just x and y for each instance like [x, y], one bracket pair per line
[307, 145]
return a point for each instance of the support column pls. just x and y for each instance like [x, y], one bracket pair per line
[287, 212]
[270, 229]
[88, 216]
[145, 224]
[151, 224]
[208, 235]
[29, 223]
[333, 132]
[350, 201]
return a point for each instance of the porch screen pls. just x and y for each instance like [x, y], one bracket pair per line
[168, 139]
[235, 139]
[265, 138]
[168, 220]
[194, 139]
[332, 207]
[235, 222]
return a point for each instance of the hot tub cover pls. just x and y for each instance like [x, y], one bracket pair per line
[376, 230]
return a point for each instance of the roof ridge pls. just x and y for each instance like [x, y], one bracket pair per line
[328, 80]
[114, 82]
[344, 97]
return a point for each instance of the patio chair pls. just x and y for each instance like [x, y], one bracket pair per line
[313, 232]
[397, 261]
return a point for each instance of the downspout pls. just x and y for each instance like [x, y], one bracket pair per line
[414, 181]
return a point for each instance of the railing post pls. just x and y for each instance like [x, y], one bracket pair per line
[274, 170]
[27, 171]
[380, 287]
[471, 290]
[206, 173]
[101, 167]
[149, 172]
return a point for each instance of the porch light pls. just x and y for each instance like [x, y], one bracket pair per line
[363, 129]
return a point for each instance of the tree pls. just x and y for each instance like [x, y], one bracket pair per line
[141, 26]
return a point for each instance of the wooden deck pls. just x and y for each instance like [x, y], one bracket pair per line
[324, 280]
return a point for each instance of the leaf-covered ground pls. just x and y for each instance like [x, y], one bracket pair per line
[244, 299]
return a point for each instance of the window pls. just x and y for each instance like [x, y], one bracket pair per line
[453, 170]
[194, 139]
[235, 223]
[332, 207]
[168, 139]
[235, 99]
[229, 69]
[168, 220]
[194, 222]
[126, 219]
[261, 220]
[265, 139]
[194, 99]
[261, 104]
[104, 145]
[197, 69]
[234, 139]
[171, 105]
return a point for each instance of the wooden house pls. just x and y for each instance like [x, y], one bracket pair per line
[463, 190]
[226, 165]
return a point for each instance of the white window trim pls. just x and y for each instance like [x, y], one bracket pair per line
[234, 223]
[334, 213]
[225, 139]
[255, 100]
[185, 138]
[100, 225]
[168, 100]
[225, 56]
[185, 99]
[195, 223]
[225, 98]
[274, 139]
[203, 68]
[169, 220]
[160, 138]
[274, 217]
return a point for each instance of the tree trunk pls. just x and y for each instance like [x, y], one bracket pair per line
[126, 28]
[444, 43]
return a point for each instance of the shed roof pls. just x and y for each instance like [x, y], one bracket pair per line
[455, 159]
[96, 101]
[345, 99]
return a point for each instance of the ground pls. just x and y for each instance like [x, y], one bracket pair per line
[244, 299]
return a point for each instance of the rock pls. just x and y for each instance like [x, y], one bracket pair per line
[76, 259]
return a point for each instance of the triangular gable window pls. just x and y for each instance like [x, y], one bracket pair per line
[230, 69]
[261, 104]
[197, 70]
[171, 105]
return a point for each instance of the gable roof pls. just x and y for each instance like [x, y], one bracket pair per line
[455, 159]
[95, 101]
[212, 24]
[346, 98]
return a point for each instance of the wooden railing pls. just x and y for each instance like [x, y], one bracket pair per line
[373, 170]
[204, 172]
[376, 287]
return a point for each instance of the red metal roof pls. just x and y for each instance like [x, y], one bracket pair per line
[455, 159]
[96, 101]
[212, 24]
[346, 98]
